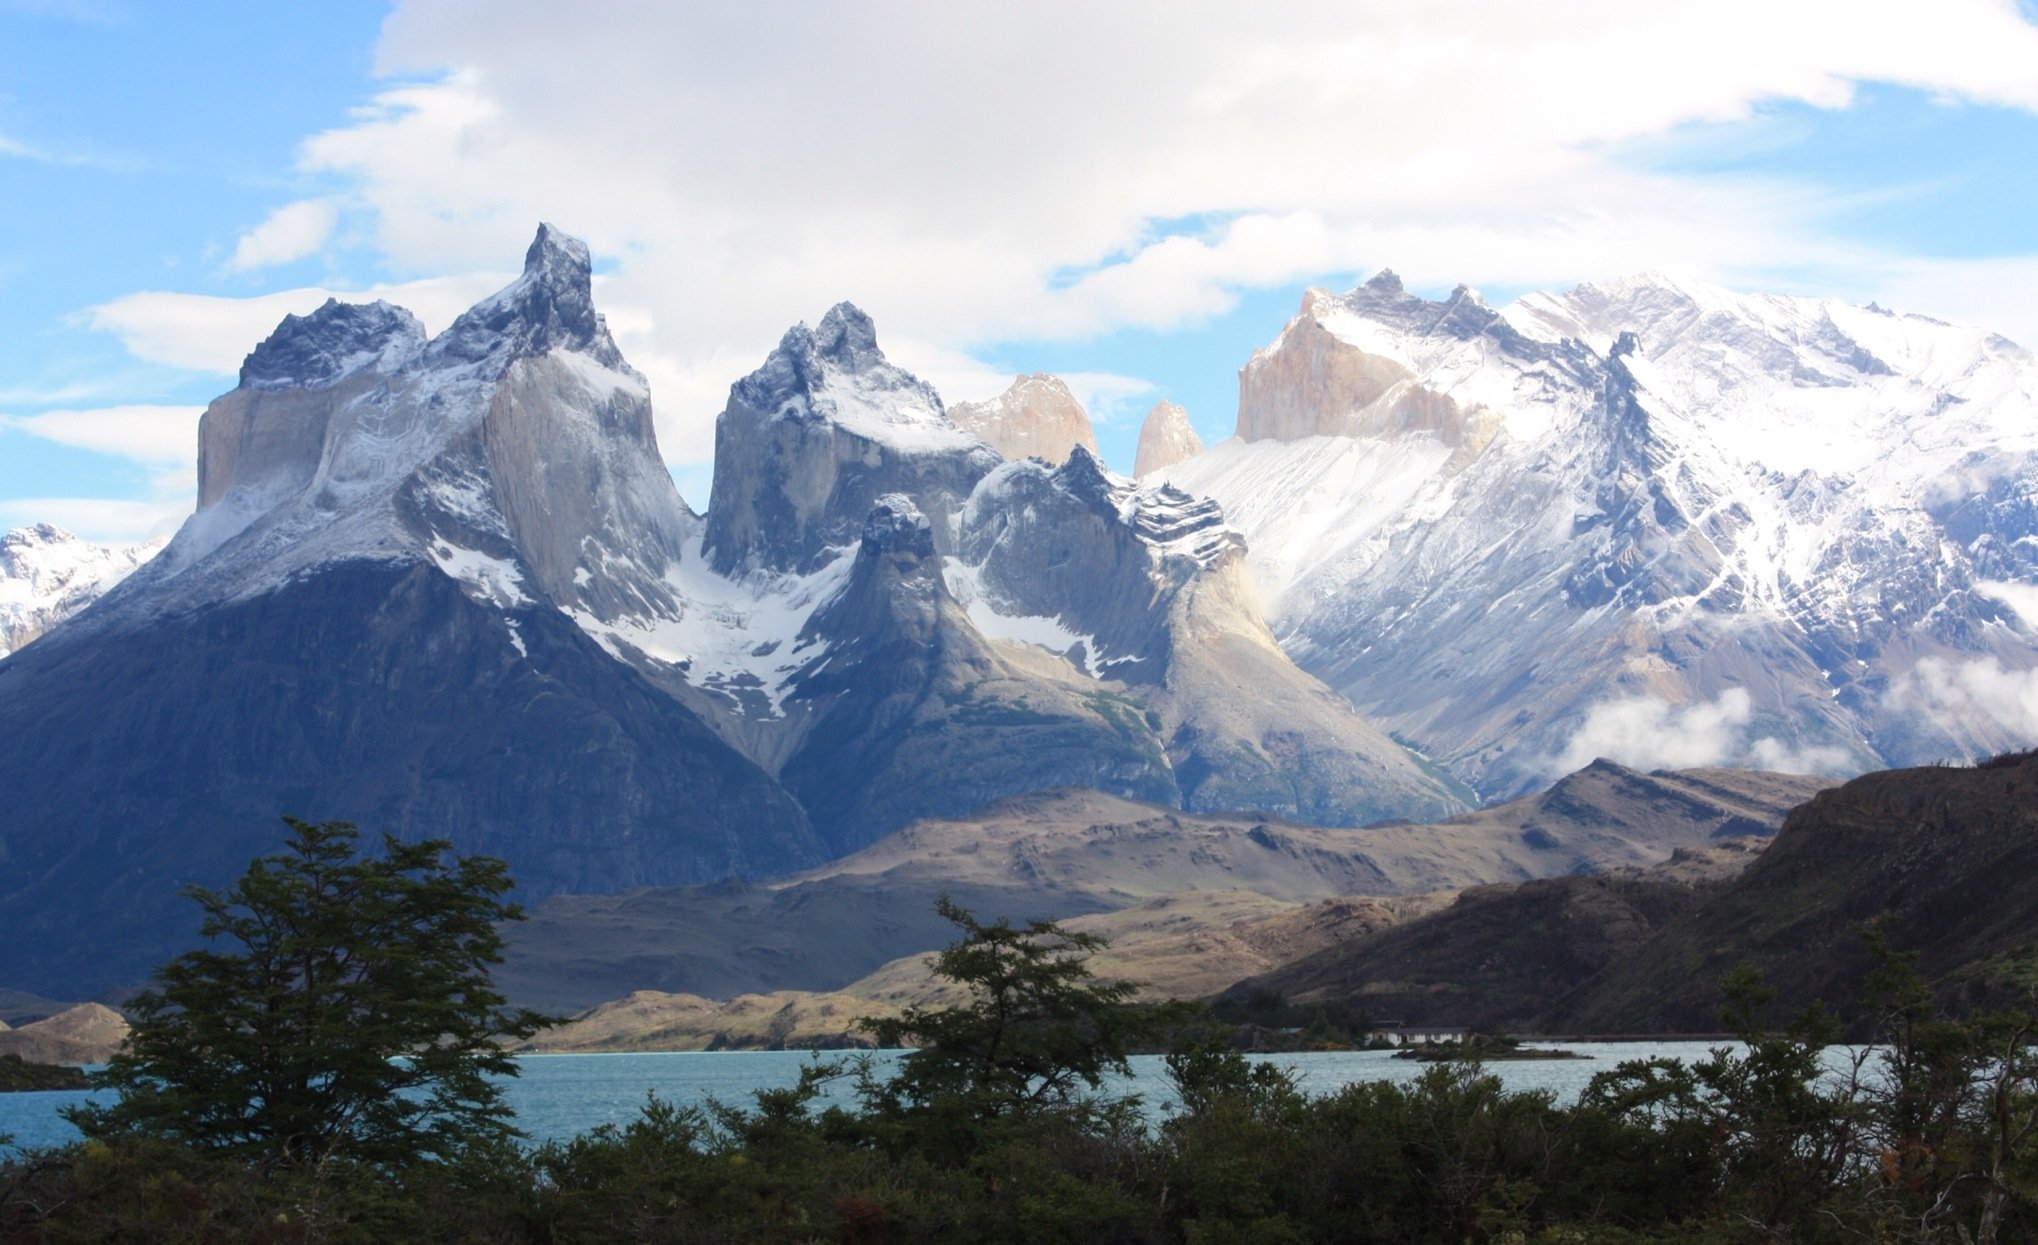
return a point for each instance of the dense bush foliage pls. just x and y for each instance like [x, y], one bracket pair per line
[1929, 1139]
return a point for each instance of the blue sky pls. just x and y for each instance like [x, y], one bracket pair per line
[1109, 193]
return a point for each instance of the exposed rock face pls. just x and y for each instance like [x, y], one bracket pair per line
[372, 618]
[811, 440]
[1612, 520]
[1166, 437]
[1335, 372]
[1036, 418]
[47, 575]
[1146, 582]
[915, 714]
[985, 628]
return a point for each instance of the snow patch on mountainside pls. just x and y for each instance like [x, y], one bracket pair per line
[496, 581]
[739, 637]
[965, 584]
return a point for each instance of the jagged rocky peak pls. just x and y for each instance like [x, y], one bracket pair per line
[813, 438]
[1160, 514]
[333, 342]
[1166, 437]
[516, 451]
[1091, 548]
[1037, 417]
[837, 373]
[1349, 365]
[549, 307]
[847, 338]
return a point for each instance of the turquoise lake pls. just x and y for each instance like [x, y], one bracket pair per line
[559, 1096]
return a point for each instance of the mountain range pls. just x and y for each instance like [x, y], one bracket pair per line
[1651, 519]
[445, 586]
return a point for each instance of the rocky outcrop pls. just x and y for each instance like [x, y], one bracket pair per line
[1333, 373]
[914, 714]
[1166, 437]
[811, 440]
[1036, 418]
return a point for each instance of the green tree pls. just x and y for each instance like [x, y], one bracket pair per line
[342, 1009]
[1037, 1031]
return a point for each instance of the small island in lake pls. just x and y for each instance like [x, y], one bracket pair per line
[19, 1075]
[1482, 1048]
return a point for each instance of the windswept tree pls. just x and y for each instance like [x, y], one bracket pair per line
[342, 1009]
[1038, 1030]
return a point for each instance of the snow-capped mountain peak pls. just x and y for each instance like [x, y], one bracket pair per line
[1651, 488]
[334, 342]
[550, 306]
[47, 574]
[515, 451]
[836, 373]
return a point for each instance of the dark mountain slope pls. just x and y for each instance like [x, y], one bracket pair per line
[1945, 859]
[378, 693]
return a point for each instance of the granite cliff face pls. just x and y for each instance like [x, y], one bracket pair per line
[1036, 418]
[1166, 437]
[1654, 519]
[897, 624]
[811, 440]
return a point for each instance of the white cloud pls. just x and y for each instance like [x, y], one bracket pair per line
[990, 172]
[126, 521]
[208, 333]
[1110, 398]
[150, 434]
[16, 149]
[977, 172]
[1957, 693]
[291, 232]
[2021, 598]
[1643, 732]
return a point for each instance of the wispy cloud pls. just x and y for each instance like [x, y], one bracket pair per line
[211, 333]
[17, 149]
[147, 434]
[291, 232]
[108, 520]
